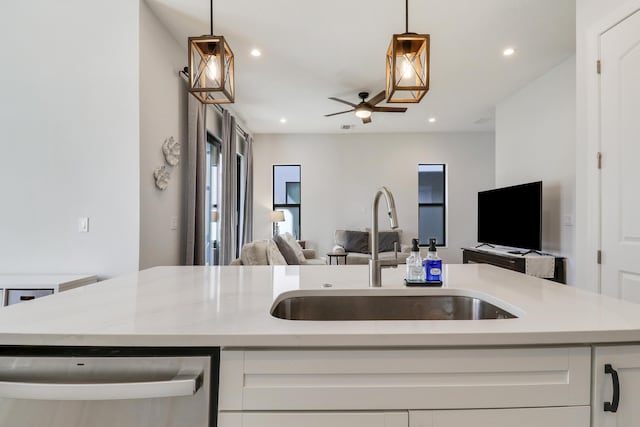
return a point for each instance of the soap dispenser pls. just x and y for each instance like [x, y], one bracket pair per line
[433, 263]
[415, 272]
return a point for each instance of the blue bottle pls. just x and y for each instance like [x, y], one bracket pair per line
[433, 263]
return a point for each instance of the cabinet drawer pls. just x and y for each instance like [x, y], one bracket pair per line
[15, 296]
[568, 416]
[403, 379]
[515, 264]
[313, 419]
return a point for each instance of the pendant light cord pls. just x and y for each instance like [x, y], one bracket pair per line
[406, 16]
[211, 12]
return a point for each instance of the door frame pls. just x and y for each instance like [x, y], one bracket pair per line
[591, 224]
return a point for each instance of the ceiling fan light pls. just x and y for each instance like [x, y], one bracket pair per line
[211, 70]
[363, 113]
[408, 68]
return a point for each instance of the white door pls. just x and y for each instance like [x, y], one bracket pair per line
[625, 361]
[567, 416]
[620, 147]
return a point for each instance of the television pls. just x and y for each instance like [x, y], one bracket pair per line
[511, 216]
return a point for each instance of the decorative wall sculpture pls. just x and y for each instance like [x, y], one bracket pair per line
[162, 176]
[171, 149]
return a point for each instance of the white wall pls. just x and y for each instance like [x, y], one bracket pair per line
[341, 173]
[69, 116]
[592, 17]
[163, 113]
[535, 140]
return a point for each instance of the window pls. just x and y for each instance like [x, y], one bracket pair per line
[432, 211]
[214, 157]
[286, 197]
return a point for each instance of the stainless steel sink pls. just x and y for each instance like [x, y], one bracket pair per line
[387, 307]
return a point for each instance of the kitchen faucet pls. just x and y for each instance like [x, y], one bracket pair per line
[375, 264]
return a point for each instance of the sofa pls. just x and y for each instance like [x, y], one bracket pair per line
[281, 250]
[357, 244]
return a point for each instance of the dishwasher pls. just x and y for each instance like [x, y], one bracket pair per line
[108, 387]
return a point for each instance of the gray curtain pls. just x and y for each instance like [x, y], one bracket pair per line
[228, 190]
[196, 183]
[247, 223]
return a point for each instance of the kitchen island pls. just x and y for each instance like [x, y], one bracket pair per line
[541, 366]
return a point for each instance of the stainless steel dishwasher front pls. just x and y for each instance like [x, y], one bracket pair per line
[99, 391]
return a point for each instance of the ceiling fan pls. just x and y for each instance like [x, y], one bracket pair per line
[365, 108]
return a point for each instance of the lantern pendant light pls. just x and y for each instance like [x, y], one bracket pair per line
[408, 65]
[211, 73]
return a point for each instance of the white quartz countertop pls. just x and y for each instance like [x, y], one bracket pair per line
[229, 307]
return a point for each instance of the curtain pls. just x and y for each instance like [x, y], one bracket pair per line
[196, 183]
[228, 190]
[247, 223]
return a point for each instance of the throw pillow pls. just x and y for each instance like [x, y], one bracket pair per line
[356, 241]
[296, 248]
[286, 250]
[254, 253]
[274, 255]
[386, 239]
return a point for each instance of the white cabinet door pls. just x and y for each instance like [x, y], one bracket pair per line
[313, 419]
[570, 416]
[625, 361]
[620, 146]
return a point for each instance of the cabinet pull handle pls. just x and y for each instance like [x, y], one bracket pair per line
[613, 405]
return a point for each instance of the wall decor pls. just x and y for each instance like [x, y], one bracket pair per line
[162, 176]
[171, 150]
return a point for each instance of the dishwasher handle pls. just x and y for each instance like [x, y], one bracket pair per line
[180, 385]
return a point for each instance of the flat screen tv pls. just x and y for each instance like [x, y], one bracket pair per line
[511, 216]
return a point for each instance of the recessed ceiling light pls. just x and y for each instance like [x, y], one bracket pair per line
[508, 51]
[283, 120]
[256, 52]
[432, 119]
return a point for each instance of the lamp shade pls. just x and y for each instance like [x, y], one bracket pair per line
[408, 68]
[276, 216]
[211, 72]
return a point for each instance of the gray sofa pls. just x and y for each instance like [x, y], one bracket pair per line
[266, 252]
[357, 244]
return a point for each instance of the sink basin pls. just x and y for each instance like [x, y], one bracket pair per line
[384, 306]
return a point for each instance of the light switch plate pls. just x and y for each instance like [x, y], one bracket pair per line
[174, 223]
[83, 224]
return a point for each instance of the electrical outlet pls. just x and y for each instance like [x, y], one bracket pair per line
[174, 223]
[567, 220]
[83, 224]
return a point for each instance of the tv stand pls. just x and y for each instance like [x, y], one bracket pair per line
[510, 262]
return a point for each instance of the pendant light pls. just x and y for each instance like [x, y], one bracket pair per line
[407, 65]
[211, 78]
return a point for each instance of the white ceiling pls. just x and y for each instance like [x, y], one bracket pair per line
[312, 50]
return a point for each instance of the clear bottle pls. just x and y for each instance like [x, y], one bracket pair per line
[433, 263]
[415, 271]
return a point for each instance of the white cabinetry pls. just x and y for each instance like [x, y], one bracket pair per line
[624, 362]
[15, 288]
[394, 382]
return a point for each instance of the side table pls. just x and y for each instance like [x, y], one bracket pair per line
[337, 256]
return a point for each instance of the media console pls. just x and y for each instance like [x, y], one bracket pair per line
[510, 262]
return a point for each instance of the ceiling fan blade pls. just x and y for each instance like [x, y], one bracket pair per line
[376, 99]
[366, 120]
[343, 101]
[335, 114]
[390, 109]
